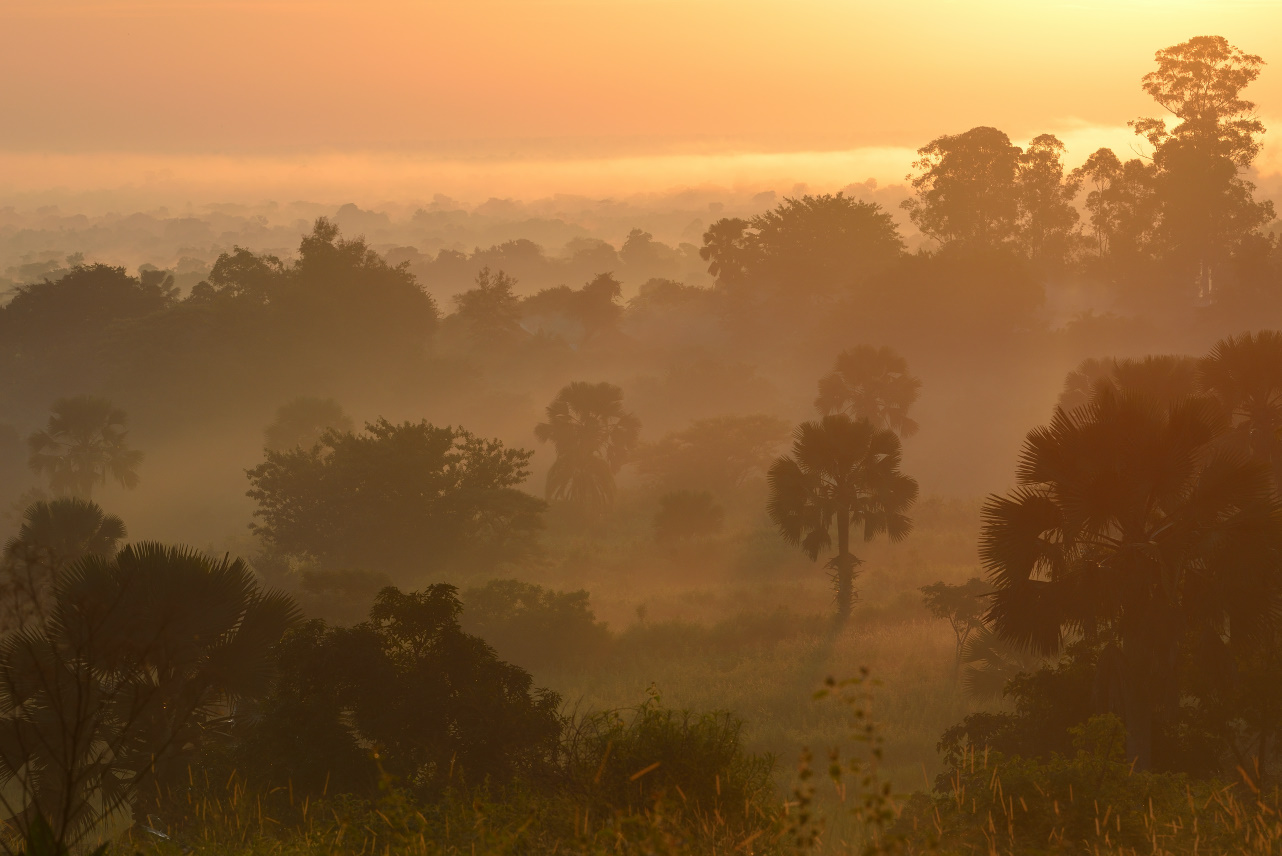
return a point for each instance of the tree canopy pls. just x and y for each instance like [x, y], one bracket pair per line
[407, 499]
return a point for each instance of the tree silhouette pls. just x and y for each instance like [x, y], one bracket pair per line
[1244, 374]
[53, 535]
[593, 436]
[1130, 527]
[105, 704]
[841, 472]
[966, 188]
[83, 445]
[1207, 207]
[1047, 218]
[490, 309]
[871, 383]
[398, 498]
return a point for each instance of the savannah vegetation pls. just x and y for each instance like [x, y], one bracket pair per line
[835, 547]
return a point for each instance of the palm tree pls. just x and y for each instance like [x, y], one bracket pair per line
[1133, 528]
[142, 652]
[1165, 378]
[593, 436]
[1244, 374]
[83, 445]
[871, 383]
[53, 535]
[841, 472]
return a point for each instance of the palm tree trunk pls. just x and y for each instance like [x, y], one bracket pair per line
[844, 566]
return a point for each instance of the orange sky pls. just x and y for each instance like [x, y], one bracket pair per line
[512, 97]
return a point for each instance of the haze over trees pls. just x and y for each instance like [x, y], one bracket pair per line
[539, 633]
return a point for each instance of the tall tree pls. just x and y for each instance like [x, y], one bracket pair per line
[1131, 527]
[1047, 218]
[83, 446]
[841, 473]
[871, 383]
[966, 188]
[1207, 205]
[593, 436]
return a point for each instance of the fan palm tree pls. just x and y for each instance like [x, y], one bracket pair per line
[593, 436]
[142, 651]
[1132, 527]
[871, 383]
[1244, 374]
[841, 473]
[53, 535]
[83, 445]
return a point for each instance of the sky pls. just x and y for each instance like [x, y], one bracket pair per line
[523, 98]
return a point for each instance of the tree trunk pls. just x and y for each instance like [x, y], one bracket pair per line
[844, 569]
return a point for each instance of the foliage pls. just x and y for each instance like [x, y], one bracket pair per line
[106, 703]
[692, 764]
[490, 310]
[83, 445]
[435, 703]
[871, 383]
[53, 535]
[1131, 528]
[841, 472]
[406, 499]
[535, 627]
[1085, 799]
[962, 606]
[826, 244]
[593, 436]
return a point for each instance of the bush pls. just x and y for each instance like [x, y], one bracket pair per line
[534, 627]
[694, 764]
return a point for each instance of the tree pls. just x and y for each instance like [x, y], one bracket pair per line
[83, 445]
[438, 703]
[963, 606]
[1130, 527]
[1103, 170]
[593, 436]
[1164, 378]
[300, 423]
[966, 190]
[107, 702]
[725, 249]
[687, 514]
[1207, 207]
[841, 472]
[1047, 217]
[1244, 374]
[54, 534]
[718, 454]
[491, 311]
[871, 383]
[814, 245]
[404, 499]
